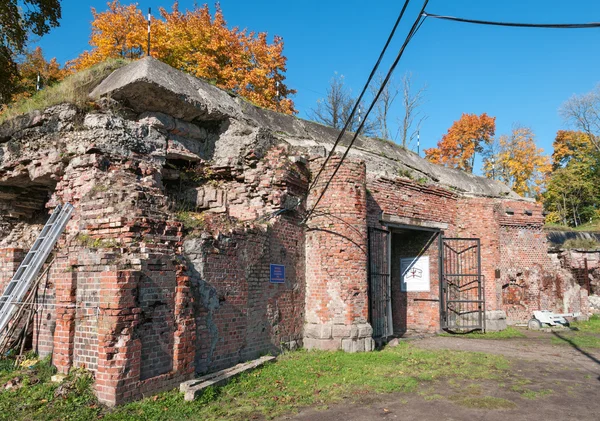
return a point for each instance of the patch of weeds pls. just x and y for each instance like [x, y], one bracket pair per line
[36, 397]
[191, 220]
[98, 188]
[88, 241]
[508, 333]
[405, 173]
[74, 89]
[483, 402]
[581, 244]
[434, 397]
[534, 394]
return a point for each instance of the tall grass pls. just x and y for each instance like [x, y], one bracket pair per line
[74, 89]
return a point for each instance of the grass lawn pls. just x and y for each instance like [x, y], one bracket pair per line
[584, 335]
[296, 380]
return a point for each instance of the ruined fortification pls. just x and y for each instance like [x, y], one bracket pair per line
[185, 195]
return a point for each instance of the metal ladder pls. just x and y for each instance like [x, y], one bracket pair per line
[28, 270]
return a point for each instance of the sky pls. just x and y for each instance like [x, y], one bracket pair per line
[520, 76]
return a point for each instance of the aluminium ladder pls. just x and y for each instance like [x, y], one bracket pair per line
[30, 266]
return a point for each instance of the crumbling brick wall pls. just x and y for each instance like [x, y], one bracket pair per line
[528, 279]
[336, 261]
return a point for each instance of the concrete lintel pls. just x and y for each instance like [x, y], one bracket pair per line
[412, 223]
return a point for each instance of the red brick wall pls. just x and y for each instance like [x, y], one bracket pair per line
[336, 261]
[476, 218]
[241, 314]
[529, 280]
[409, 199]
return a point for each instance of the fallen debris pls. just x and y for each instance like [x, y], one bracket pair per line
[193, 388]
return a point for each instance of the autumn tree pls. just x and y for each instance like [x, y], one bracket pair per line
[573, 189]
[17, 24]
[335, 109]
[199, 43]
[466, 137]
[32, 66]
[516, 161]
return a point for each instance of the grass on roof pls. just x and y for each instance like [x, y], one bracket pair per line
[74, 89]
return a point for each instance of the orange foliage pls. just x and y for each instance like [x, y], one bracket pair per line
[198, 43]
[32, 65]
[466, 137]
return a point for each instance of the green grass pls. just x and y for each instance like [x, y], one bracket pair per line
[508, 333]
[590, 326]
[73, 89]
[483, 402]
[581, 244]
[37, 397]
[296, 380]
[590, 226]
[586, 335]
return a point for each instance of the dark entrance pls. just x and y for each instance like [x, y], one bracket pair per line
[379, 282]
[462, 292]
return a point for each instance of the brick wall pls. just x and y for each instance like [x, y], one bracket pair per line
[477, 218]
[336, 261]
[240, 313]
[10, 259]
[529, 280]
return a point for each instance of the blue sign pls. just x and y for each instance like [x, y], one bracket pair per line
[277, 274]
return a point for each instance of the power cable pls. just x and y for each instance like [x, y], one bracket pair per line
[356, 105]
[517, 25]
[415, 27]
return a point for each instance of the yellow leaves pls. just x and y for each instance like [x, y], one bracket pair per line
[464, 138]
[519, 163]
[570, 145]
[198, 43]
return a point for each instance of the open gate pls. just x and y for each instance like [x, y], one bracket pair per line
[462, 292]
[379, 282]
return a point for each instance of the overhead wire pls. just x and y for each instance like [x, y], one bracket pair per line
[357, 104]
[415, 27]
[516, 24]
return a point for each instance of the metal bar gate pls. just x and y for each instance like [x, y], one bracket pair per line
[379, 282]
[462, 295]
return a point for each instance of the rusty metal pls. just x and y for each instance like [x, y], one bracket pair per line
[379, 278]
[462, 293]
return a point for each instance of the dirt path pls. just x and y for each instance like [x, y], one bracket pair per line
[546, 381]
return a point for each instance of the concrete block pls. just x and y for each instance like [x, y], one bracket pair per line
[341, 331]
[365, 330]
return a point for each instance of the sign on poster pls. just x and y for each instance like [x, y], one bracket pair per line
[415, 274]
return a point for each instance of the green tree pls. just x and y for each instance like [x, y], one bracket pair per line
[573, 189]
[19, 19]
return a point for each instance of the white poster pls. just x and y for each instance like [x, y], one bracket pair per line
[415, 274]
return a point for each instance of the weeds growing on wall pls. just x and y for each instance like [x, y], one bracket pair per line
[73, 89]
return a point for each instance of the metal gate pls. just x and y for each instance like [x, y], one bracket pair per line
[462, 288]
[379, 282]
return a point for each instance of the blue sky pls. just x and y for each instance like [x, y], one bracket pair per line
[518, 75]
